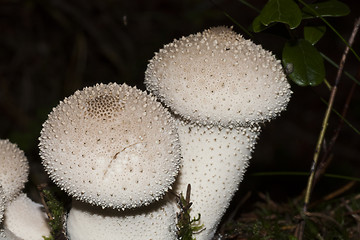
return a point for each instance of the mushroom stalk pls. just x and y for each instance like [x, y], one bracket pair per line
[25, 219]
[214, 162]
[156, 221]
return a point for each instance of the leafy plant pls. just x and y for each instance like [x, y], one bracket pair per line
[186, 225]
[300, 57]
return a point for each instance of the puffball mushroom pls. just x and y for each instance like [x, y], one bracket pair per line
[227, 86]
[215, 160]
[156, 221]
[218, 77]
[25, 219]
[112, 146]
[14, 169]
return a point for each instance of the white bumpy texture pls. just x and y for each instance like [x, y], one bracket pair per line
[2, 204]
[214, 162]
[153, 222]
[14, 169]
[218, 77]
[25, 219]
[111, 145]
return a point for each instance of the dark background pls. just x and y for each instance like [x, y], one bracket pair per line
[50, 48]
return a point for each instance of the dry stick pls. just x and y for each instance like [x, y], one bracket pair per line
[324, 126]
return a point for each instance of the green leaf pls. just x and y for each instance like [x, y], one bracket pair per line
[314, 34]
[305, 63]
[332, 8]
[257, 26]
[284, 11]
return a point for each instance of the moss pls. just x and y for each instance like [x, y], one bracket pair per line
[55, 209]
[186, 224]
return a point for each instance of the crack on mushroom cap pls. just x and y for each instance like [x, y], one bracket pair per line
[111, 145]
[218, 77]
[14, 169]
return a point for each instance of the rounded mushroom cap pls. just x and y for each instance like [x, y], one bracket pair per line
[111, 145]
[26, 219]
[14, 169]
[218, 77]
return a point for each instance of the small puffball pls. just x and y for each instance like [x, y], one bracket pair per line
[112, 146]
[14, 169]
[156, 221]
[214, 162]
[218, 77]
[25, 219]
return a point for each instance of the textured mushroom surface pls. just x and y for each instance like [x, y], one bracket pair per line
[2, 204]
[25, 219]
[154, 222]
[111, 145]
[214, 162]
[14, 169]
[7, 235]
[218, 77]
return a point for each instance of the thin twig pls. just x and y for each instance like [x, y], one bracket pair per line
[309, 187]
[327, 157]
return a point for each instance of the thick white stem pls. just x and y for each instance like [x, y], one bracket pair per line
[156, 221]
[214, 162]
[25, 219]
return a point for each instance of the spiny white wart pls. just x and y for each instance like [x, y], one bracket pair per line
[25, 219]
[218, 77]
[156, 221]
[14, 169]
[111, 145]
[214, 162]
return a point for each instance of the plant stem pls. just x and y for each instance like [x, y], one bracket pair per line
[310, 185]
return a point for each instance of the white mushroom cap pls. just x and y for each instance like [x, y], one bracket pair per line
[111, 145]
[214, 162]
[157, 221]
[14, 169]
[25, 219]
[218, 77]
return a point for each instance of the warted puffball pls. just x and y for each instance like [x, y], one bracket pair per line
[14, 169]
[156, 221]
[25, 219]
[111, 145]
[214, 162]
[218, 77]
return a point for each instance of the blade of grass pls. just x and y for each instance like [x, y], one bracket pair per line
[305, 174]
[337, 66]
[249, 5]
[340, 116]
[238, 24]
